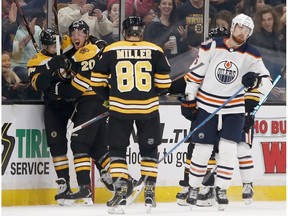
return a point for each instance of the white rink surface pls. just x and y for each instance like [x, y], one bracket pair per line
[162, 209]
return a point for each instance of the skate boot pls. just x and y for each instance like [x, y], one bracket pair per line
[192, 195]
[248, 193]
[183, 194]
[63, 191]
[149, 195]
[117, 203]
[106, 179]
[221, 198]
[206, 197]
[82, 196]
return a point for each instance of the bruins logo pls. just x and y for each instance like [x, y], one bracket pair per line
[84, 50]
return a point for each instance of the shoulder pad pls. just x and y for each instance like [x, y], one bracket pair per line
[38, 59]
[66, 43]
[87, 52]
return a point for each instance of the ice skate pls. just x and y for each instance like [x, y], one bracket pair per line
[192, 196]
[206, 197]
[118, 202]
[82, 196]
[221, 198]
[183, 194]
[248, 193]
[149, 195]
[63, 192]
[106, 179]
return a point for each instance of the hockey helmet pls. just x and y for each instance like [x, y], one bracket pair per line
[47, 37]
[219, 32]
[133, 26]
[242, 19]
[79, 26]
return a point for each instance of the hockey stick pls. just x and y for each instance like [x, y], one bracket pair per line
[85, 124]
[202, 123]
[26, 25]
[211, 172]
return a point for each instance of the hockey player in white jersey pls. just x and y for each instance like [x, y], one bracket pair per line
[228, 64]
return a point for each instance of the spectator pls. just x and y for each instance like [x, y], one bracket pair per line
[12, 87]
[137, 7]
[223, 19]
[166, 25]
[224, 5]
[266, 36]
[149, 17]
[192, 13]
[98, 23]
[113, 16]
[9, 24]
[247, 7]
[23, 47]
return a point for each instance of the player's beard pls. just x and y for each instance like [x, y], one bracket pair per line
[238, 39]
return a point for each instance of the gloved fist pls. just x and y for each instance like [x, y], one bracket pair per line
[251, 100]
[251, 80]
[188, 109]
[249, 122]
[57, 62]
[219, 32]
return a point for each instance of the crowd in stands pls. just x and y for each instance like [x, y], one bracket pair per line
[183, 19]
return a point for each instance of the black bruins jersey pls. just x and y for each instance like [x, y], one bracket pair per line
[83, 61]
[36, 72]
[136, 72]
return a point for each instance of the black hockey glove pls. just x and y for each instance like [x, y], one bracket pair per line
[57, 62]
[188, 108]
[219, 32]
[251, 80]
[51, 92]
[249, 122]
[101, 44]
[251, 100]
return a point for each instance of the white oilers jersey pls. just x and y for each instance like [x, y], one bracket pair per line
[221, 75]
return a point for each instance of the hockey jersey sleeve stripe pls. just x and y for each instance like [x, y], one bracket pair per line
[79, 84]
[34, 80]
[193, 77]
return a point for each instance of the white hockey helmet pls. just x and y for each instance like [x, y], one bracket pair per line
[242, 19]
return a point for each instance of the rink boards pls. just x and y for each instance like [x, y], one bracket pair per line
[28, 174]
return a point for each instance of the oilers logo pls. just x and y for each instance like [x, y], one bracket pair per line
[226, 72]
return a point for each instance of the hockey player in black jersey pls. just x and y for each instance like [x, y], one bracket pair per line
[89, 141]
[136, 72]
[44, 68]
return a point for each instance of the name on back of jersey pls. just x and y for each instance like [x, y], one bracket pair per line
[134, 54]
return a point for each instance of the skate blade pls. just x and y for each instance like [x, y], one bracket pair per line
[148, 208]
[84, 201]
[248, 201]
[205, 203]
[182, 202]
[221, 207]
[135, 194]
[116, 210]
[66, 202]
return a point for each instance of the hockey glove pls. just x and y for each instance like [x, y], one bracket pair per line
[52, 92]
[249, 122]
[188, 108]
[251, 100]
[251, 80]
[57, 62]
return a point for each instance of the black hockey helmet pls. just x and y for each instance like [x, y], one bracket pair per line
[219, 32]
[79, 25]
[133, 26]
[47, 37]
